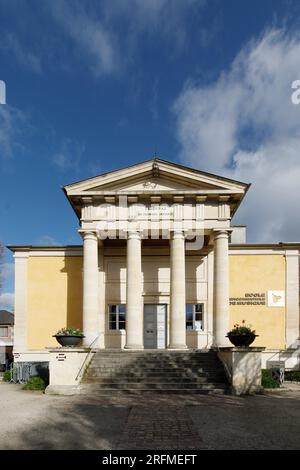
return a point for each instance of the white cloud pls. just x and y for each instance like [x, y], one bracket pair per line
[11, 45]
[156, 18]
[13, 123]
[7, 301]
[106, 37]
[96, 43]
[6, 272]
[245, 126]
[46, 240]
[68, 156]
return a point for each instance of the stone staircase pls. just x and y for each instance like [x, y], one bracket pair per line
[162, 371]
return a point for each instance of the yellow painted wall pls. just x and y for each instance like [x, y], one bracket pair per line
[259, 273]
[54, 297]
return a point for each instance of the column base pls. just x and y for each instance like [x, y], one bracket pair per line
[177, 346]
[133, 346]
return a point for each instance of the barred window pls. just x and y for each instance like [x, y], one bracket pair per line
[194, 317]
[116, 317]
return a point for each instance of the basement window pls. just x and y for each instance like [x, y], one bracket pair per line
[116, 317]
[194, 317]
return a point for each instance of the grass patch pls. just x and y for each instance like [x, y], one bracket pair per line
[7, 376]
[267, 380]
[35, 383]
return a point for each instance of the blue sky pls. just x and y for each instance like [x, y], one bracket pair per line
[96, 85]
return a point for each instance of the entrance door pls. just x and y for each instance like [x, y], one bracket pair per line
[155, 326]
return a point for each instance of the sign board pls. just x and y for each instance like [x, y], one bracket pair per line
[249, 298]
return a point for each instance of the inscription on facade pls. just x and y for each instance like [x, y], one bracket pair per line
[249, 298]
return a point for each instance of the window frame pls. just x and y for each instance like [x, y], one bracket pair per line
[194, 305]
[7, 330]
[117, 313]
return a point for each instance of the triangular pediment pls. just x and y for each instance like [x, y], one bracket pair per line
[155, 175]
[150, 183]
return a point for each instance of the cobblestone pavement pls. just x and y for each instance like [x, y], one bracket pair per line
[159, 428]
[31, 420]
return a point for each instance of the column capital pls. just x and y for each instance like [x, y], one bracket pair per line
[134, 234]
[221, 232]
[177, 235]
[88, 234]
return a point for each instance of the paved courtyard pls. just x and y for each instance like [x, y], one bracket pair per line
[32, 420]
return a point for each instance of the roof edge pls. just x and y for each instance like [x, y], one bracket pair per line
[168, 162]
[15, 248]
[266, 245]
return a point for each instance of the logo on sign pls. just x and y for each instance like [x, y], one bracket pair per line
[276, 298]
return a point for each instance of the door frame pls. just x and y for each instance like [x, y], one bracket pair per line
[166, 322]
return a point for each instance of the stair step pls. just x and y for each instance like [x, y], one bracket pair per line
[142, 372]
[156, 380]
[160, 385]
[159, 372]
[155, 375]
[112, 391]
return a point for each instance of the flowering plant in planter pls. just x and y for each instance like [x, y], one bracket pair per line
[71, 331]
[69, 337]
[241, 334]
[242, 329]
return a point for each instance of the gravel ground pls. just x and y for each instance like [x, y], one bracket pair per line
[32, 420]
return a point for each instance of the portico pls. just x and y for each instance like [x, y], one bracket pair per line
[94, 291]
[155, 216]
[160, 266]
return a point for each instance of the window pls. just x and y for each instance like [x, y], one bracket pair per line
[194, 317]
[116, 317]
[3, 331]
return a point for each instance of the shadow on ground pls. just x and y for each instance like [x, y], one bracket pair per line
[34, 421]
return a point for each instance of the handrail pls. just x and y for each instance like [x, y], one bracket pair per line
[86, 357]
[216, 346]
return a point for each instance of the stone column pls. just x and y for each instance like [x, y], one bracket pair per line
[90, 287]
[21, 281]
[177, 292]
[221, 287]
[134, 301]
[100, 343]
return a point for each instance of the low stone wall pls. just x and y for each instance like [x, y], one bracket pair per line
[289, 357]
[243, 367]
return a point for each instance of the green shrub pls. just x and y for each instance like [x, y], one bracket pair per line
[7, 376]
[267, 380]
[293, 375]
[35, 383]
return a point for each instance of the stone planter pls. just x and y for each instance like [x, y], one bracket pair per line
[68, 341]
[241, 341]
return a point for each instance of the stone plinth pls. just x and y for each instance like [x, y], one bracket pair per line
[66, 367]
[243, 368]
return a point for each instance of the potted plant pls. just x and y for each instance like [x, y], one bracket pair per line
[69, 337]
[241, 335]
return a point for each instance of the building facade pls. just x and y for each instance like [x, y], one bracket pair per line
[161, 267]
